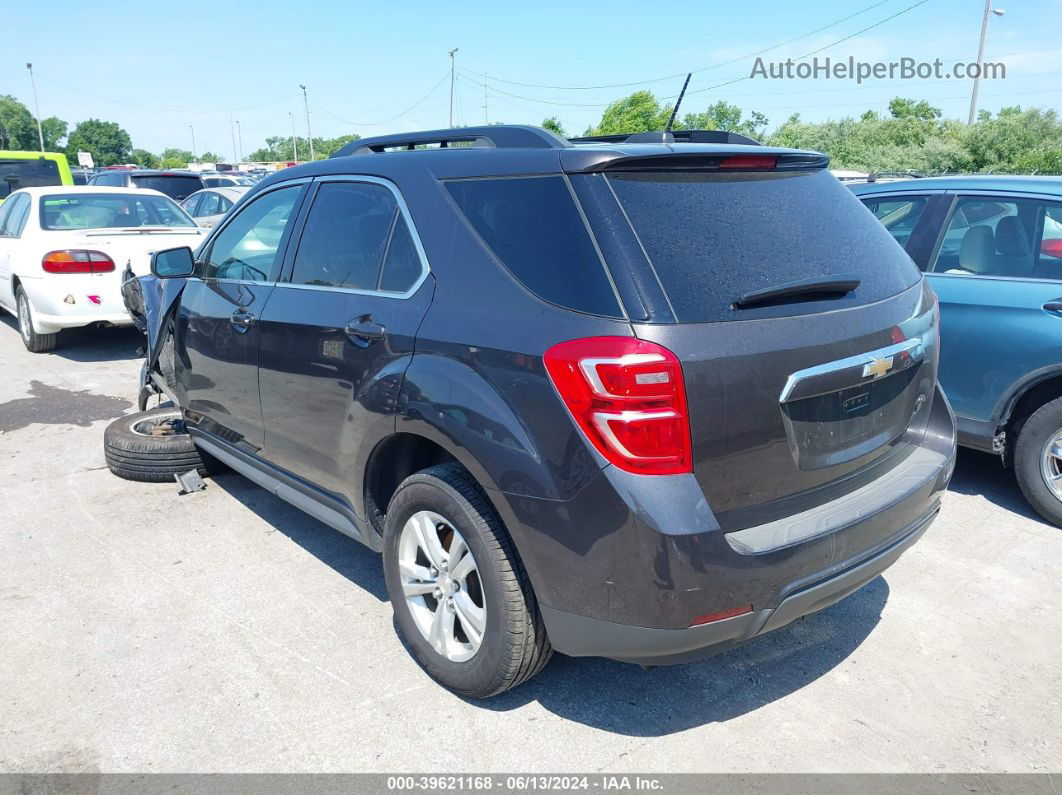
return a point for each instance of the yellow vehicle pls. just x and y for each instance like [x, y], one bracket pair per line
[31, 170]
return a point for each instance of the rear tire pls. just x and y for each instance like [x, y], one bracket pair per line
[34, 342]
[146, 447]
[495, 593]
[1034, 465]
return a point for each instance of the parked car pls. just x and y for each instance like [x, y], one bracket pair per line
[992, 250]
[61, 250]
[178, 185]
[209, 206]
[574, 393]
[32, 169]
[227, 181]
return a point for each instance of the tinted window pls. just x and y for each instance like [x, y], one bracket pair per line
[714, 237]
[247, 247]
[209, 205]
[899, 216]
[534, 228]
[173, 185]
[402, 265]
[109, 211]
[1020, 239]
[17, 173]
[346, 231]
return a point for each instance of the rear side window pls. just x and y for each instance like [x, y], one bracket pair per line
[175, 186]
[34, 172]
[534, 228]
[712, 238]
[898, 215]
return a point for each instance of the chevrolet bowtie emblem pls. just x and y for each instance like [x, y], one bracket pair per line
[877, 367]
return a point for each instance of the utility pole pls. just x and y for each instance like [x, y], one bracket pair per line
[981, 58]
[36, 107]
[453, 75]
[294, 146]
[232, 133]
[485, 120]
[194, 159]
[309, 134]
[239, 137]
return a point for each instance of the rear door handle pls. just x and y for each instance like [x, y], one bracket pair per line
[1053, 306]
[241, 320]
[364, 331]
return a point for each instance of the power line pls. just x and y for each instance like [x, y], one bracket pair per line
[694, 71]
[412, 107]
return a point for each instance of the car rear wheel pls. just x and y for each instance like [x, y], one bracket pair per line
[34, 342]
[1038, 461]
[151, 446]
[462, 600]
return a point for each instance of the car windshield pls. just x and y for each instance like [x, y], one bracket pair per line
[176, 186]
[110, 211]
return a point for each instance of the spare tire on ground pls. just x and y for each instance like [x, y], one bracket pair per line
[151, 446]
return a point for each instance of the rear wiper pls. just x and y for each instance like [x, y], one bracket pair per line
[822, 286]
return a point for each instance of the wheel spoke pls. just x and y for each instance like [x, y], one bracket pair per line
[419, 588]
[1055, 450]
[473, 618]
[442, 628]
[463, 566]
[428, 538]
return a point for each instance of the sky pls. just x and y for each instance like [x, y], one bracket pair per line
[375, 68]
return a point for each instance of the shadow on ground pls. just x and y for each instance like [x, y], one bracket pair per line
[92, 344]
[982, 474]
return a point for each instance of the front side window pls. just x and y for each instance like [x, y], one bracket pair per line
[898, 215]
[109, 211]
[1012, 238]
[246, 249]
[346, 233]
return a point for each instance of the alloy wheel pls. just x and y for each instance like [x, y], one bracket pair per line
[1051, 464]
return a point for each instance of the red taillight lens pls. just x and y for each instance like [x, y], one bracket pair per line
[629, 398]
[77, 261]
[1052, 248]
[749, 161]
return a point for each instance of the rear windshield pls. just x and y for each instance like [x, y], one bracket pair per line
[714, 237]
[16, 173]
[535, 229]
[110, 211]
[175, 186]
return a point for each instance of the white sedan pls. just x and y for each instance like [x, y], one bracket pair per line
[209, 206]
[63, 250]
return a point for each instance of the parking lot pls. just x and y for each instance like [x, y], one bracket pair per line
[226, 631]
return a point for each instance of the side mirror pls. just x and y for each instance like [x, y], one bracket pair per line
[173, 263]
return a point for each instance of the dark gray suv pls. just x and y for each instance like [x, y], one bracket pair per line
[635, 397]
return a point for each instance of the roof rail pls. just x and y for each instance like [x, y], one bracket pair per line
[497, 136]
[874, 176]
[673, 137]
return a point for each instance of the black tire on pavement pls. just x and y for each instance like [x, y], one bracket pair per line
[514, 646]
[149, 447]
[1043, 427]
[34, 342]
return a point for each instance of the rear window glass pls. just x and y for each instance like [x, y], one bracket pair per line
[533, 226]
[16, 173]
[109, 211]
[175, 186]
[714, 237]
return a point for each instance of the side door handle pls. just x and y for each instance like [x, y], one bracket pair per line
[364, 331]
[242, 320]
[1053, 306]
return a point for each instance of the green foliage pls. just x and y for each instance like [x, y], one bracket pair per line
[724, 116]
[553, 125]
[210, 157]
[278, 148]
[108, 143]
[174, 158]
[17, 127]
[54, 131]
[142, 157]
[640, 112]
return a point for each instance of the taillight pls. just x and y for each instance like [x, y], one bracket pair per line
[1052, 248]
[629, 398]
[77, 261]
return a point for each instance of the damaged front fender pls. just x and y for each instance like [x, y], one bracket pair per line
[152, 303]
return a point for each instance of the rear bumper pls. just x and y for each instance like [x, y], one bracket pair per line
[580, 636]
[623, 569]
[52, 311]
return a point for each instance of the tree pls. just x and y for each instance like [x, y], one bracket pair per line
[175, 158]
[210, 157]
[18, 130]
[724, 116]
[553, 125]
[639, 112]
[142, 157]
[108, 143]
[278, 148]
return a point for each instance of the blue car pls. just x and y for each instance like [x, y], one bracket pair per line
[991, 248]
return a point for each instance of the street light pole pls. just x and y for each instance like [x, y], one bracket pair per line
[232, 134]
[453, 70]
[194, 159]
[981, 58]
[306, 104]
[294, 146]
[36, 107]
[239, 138]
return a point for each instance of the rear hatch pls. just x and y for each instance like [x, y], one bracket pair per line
[177, 186]
[805, 334]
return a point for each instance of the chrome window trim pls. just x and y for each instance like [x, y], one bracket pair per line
[403, 209]
[913, 346]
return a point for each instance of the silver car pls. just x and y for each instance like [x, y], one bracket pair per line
[209, 206]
